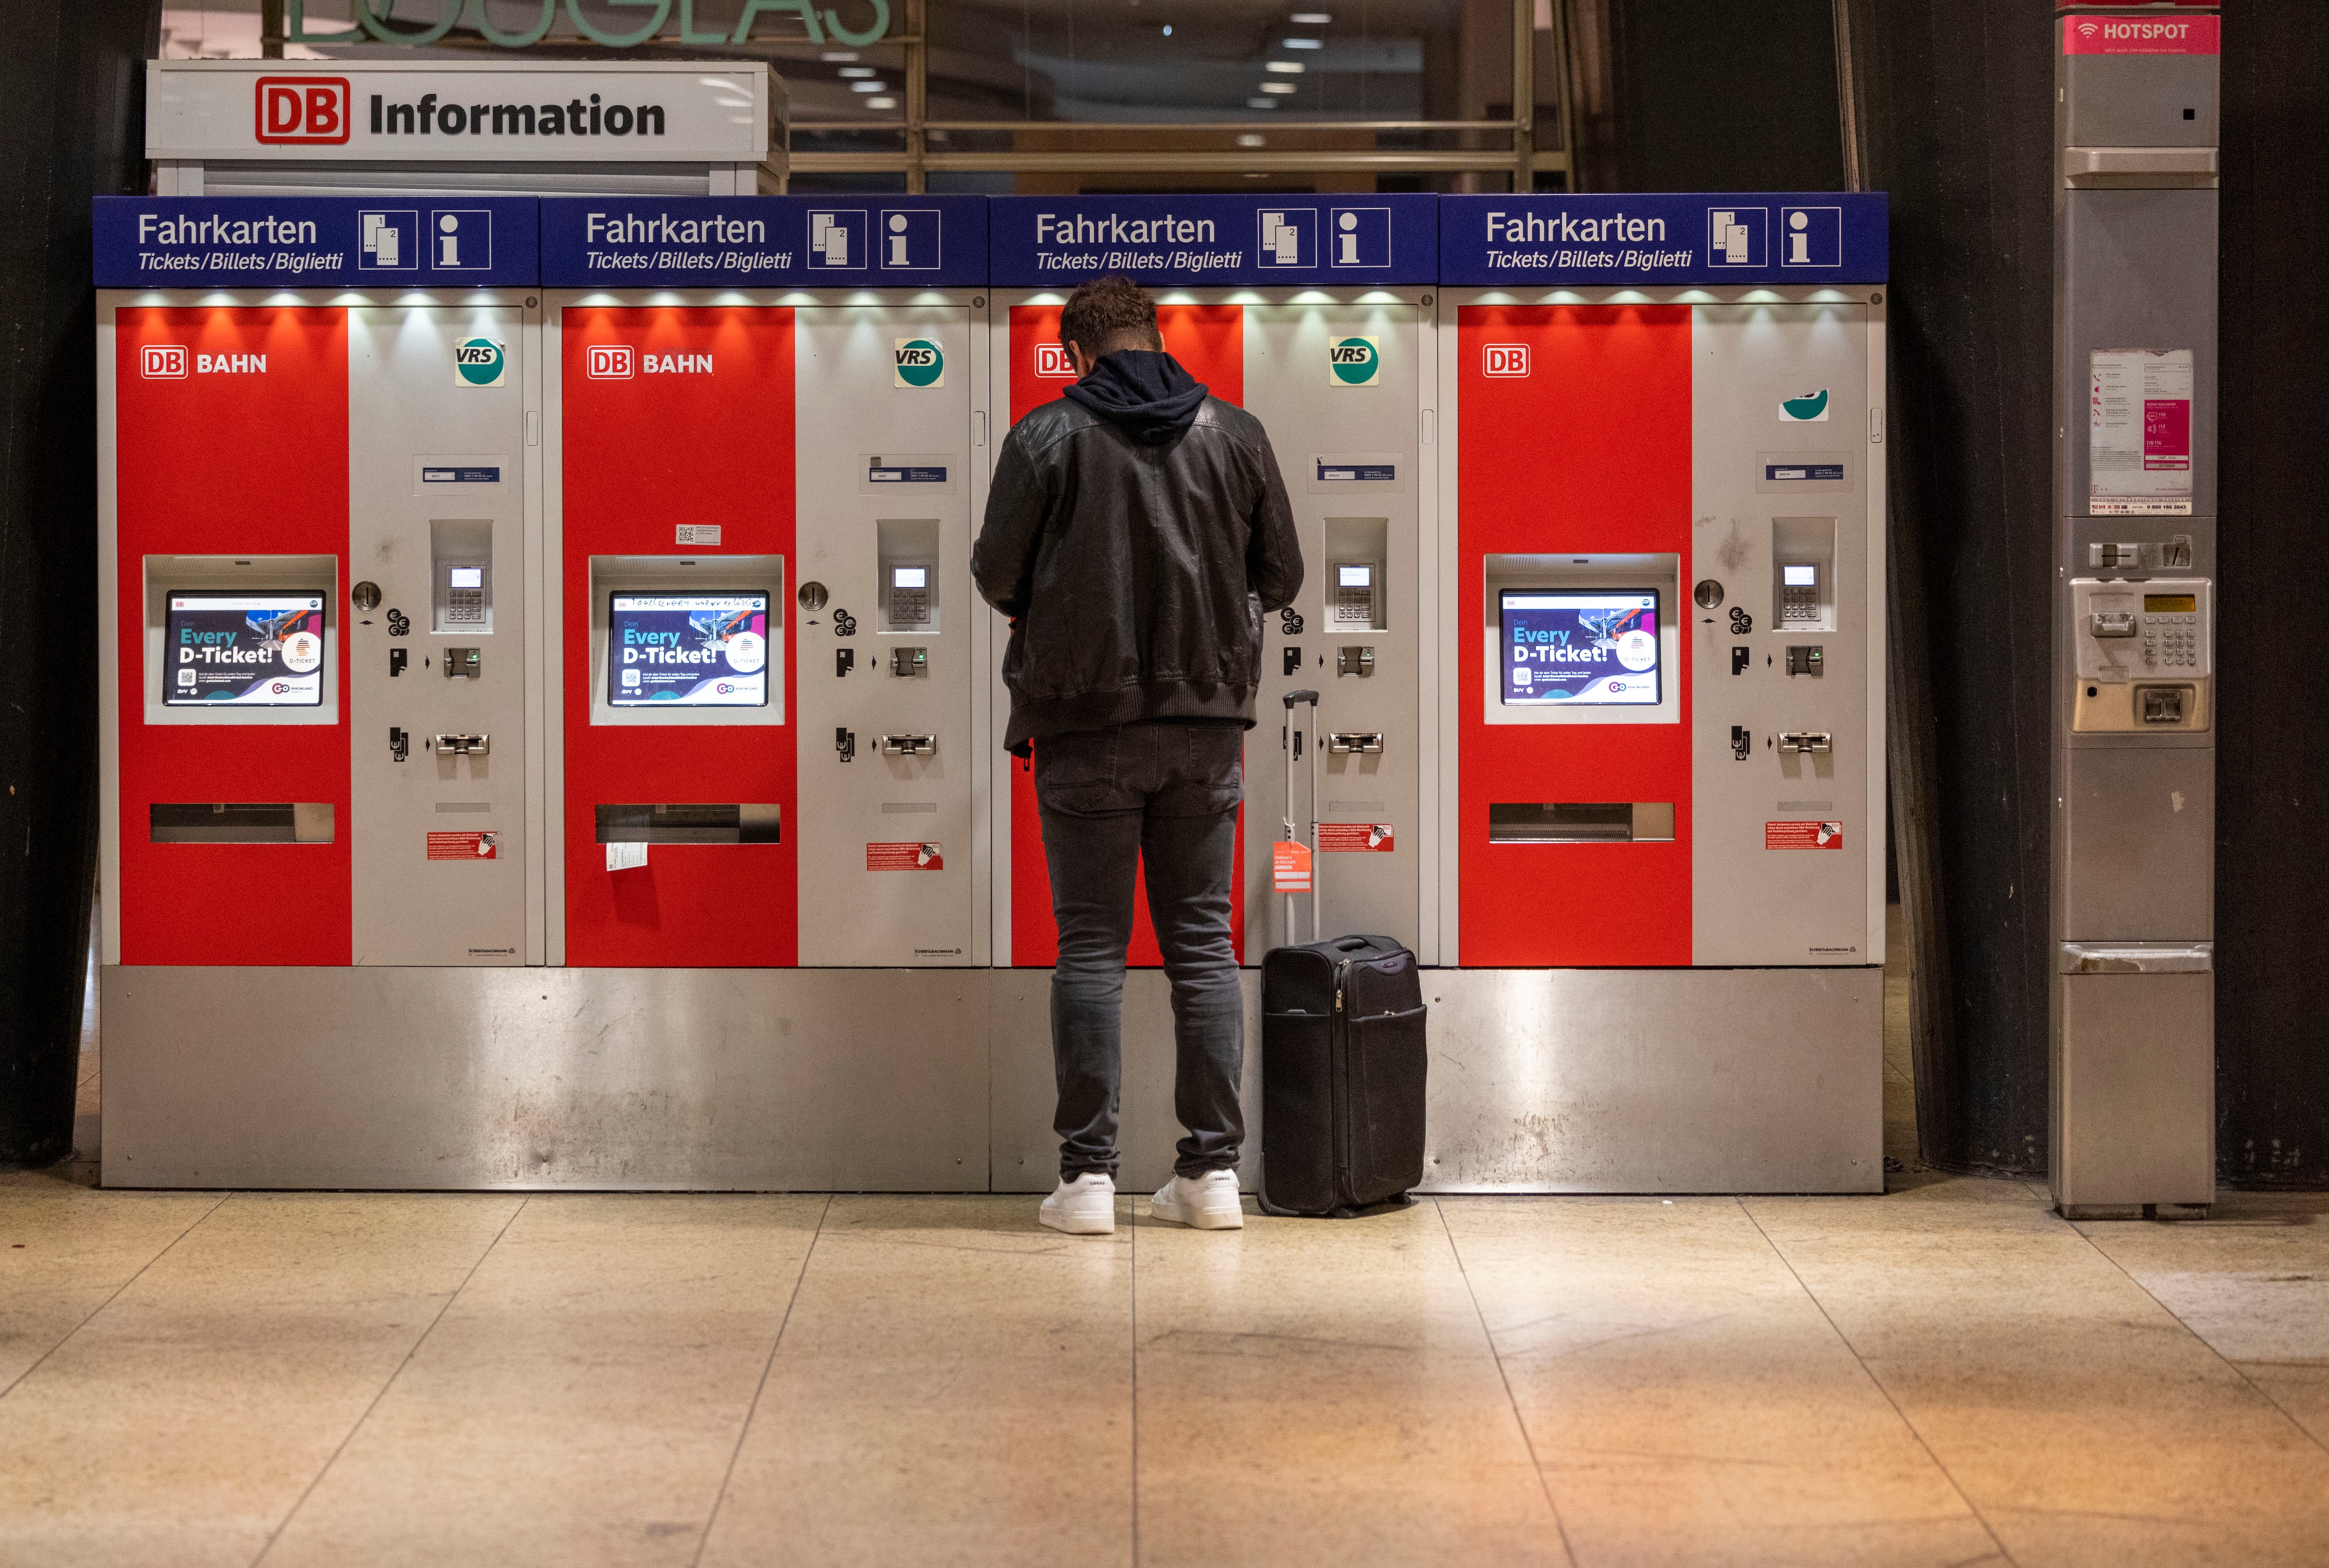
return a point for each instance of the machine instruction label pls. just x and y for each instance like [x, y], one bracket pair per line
[1803, 835]
[464, 846]
[1354, 839]
[912, 856]
[2139, 433]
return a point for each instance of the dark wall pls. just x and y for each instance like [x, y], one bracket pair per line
[2272, 758]
[1735, 96]
[70, 91]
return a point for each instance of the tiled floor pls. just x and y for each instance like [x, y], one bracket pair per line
[1945, 1375]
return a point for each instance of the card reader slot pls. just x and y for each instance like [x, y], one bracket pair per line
[1581, 821]
[690, 823]
[241, 822]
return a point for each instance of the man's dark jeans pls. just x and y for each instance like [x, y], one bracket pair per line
[1160, 799]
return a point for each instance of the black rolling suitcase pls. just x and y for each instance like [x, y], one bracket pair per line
[1343, 1056]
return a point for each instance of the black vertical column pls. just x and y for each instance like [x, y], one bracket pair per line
[71, 87]
[2272, 747]
[1956, 123]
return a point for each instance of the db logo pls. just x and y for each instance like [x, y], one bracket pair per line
[1504, 360]
[608, 362]
[302, 109]
[162, 363]
[1051, 362]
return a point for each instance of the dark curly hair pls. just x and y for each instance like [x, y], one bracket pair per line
[1108, 313]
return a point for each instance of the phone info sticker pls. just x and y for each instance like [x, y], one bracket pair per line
[1354, 838]
[914, 856]
[1803, 835]
[469, 846]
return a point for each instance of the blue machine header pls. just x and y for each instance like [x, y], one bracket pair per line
[868, 241]
[1291, 241]
[1809, 237]
[316, 241]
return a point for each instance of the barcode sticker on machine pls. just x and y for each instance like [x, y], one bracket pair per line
[904, 857]
[697, 533]
[1290, 866]
[1803, 835]
[469, 846]
[1354, 838]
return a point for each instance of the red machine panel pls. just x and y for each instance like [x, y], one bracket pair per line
[233, 441]
[1589, 452]
[1209, 340]
[716, 446]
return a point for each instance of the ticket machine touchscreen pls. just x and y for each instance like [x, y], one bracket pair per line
[1589, 648]
[687, 650]
[253, 650]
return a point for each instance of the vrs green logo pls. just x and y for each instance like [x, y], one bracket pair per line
[1811, 408]
[920, 363]
[1354, 361]
[479, 362]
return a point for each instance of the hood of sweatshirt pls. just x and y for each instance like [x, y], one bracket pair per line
[1147, 393]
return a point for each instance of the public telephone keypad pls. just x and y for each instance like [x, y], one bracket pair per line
[2171, 641]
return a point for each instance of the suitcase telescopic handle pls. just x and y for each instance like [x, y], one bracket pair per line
[1293, 751]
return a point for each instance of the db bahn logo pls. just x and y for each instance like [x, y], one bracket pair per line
[479, 362]
[163, 362]
[301, 108]
[920, 363]
[609, 361]
[1504, 360]
[1052, 364]
[1354, 361]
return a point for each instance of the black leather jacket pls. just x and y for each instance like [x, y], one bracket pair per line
[1136, 575]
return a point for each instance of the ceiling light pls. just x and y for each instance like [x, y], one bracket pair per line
[1305, 43]
[1310, 19]
[833, 54]
[1284, 67]
[1168, 30]
[869, 87]
[1250, 140]
[1261, 103]
[856, 70]
[1279, 86]
[881, 103]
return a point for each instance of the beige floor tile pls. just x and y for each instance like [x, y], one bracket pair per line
[578, 1404]
[2085, 1424]
[65, 1249]
[181, 1424]
[954, 1387]
[2253, 1282]
[1323, 1392]
[1688, 1401]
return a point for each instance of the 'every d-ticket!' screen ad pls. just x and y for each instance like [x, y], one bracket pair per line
[692, 649]
[1598, 648]
[258, 649]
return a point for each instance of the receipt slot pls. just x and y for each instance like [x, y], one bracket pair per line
[1316, 315]
[2132, 983]
[779, 542]
[316, 702]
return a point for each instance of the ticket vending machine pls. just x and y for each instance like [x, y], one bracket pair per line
[767, 424]
[1660, 716]
[1314, 313]
[317, 425]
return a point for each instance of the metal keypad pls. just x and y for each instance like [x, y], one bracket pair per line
[2172, 641]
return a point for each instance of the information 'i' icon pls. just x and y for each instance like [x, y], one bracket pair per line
[1349, 224]
[1799, 244]
[898, 240]
[449, 242]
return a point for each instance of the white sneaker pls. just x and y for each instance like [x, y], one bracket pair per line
[1208, 1202]
[1085, 1207]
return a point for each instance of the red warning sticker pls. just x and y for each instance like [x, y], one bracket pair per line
[465, 847]
[1290, 866]
[904, 857]
[1803, 835]
[1354, 838]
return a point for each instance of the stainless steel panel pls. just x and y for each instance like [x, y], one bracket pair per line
[2135, 1091]
[1616, 1080]
[2140, 858]
[545, 1078]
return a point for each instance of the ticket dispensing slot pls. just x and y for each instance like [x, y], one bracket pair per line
[1803, 573]
[241, 640]
[227, 823]
[691, 824]
[1581, 822]
[688, 640]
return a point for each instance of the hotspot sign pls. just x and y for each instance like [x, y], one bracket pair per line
[819, 242]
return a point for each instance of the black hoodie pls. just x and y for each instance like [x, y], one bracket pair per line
[1136, 531]
[1147, 393]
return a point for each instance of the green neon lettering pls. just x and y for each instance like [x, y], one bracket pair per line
[800, 8]
[873, 34]
[531, 35]
[387, 34]
[620, 40]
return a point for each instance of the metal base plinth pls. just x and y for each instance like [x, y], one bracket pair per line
[1573, 1080]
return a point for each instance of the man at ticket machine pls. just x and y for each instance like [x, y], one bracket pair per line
[1132, 526]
